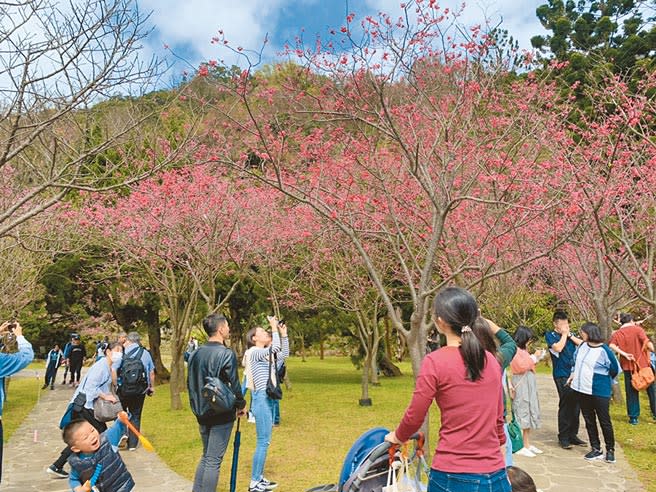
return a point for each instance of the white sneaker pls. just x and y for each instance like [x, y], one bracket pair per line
[526, 452]
[535, 450]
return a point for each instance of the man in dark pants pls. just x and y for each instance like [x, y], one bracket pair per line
[76, 360]
[216, 360]
[132, 399]
[562, 345]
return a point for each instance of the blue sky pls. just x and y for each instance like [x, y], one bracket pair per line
[187, 26]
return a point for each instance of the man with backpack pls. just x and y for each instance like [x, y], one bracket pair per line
[136, 379]
[214, 361]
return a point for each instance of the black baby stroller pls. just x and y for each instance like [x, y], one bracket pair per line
[372, 464]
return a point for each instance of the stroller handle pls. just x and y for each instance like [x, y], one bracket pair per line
[388, 447]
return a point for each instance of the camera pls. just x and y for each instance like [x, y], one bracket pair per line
[11, 326]
[281, 322]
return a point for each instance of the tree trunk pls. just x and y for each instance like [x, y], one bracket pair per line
[375, 342]
[178, 383]
[303, 348]
[322, 345]
[365, 401]
[151, 308]
[388, 338]
[389, 369]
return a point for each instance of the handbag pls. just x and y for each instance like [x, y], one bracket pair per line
[273, 389]
[641, 378]
[515, 433]
[104, 410]
[218, 395]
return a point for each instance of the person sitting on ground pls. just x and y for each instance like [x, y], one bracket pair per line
[524, 389]
[595, 366]
[520, 480]
[91, 449]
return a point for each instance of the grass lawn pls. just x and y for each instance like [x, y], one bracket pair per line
[22, 395]
[320, 421]
[637, 441]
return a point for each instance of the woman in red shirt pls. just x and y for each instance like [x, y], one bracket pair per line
[465, 382]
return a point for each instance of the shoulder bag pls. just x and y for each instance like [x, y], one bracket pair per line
[105, 411]
[273, 389]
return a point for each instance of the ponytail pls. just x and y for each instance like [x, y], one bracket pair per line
[472, 353]
[458, 308]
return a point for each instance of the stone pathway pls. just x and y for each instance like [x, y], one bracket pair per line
[565, 470]
[37, 443]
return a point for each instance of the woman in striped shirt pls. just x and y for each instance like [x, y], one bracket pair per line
[258, 370]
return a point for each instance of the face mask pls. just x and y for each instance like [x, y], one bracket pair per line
[116, 357]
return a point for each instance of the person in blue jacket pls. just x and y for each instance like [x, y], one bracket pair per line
[595, 366]
[54, 359]
[11, 364]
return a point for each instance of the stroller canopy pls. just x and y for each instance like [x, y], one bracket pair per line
[359, 452]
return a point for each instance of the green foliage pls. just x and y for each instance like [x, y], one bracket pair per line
[597, 39]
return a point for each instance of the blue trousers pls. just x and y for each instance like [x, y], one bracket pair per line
[633, 397]
[469, 482]
[215, 442]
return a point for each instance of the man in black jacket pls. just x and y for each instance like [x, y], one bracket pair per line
[216, 360]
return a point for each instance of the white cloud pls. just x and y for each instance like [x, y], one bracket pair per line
[193, 23]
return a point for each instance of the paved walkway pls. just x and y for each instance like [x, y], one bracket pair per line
[565, 470]
[37, 443]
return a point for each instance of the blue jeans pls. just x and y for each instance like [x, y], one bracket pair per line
[469, 482]
[509, 458]
[262, 408]
[275, 405]
[215, 442]
[633, 397]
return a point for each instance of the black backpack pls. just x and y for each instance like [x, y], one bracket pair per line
[133, 380]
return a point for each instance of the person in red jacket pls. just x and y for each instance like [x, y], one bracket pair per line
[465, 382]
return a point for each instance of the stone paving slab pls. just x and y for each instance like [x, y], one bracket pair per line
[37, 443]
[565, 470]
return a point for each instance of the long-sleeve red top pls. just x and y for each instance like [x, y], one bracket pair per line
[471, 430]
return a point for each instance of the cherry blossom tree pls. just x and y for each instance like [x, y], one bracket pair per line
[400, 135]
[178, 233]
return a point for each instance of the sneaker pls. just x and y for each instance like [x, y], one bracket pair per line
[535, 450]
[44, 386]
[633, 420]
[57, 472]
[132, 449]
[526, 452]
[578, 442]
[258, 487]
[565, 445]
[268, 484]
[610, 457]
[594, 455]
[52, 387]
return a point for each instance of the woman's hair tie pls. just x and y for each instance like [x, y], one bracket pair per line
[465, 328]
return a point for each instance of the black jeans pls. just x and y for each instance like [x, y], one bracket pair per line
[568, 411]
[133, 405]
[596, 408]
[75, 369]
